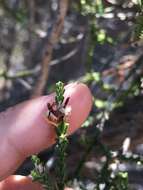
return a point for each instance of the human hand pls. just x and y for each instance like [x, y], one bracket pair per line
[24, 131]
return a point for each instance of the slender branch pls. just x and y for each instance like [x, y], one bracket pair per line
[52, 41]
[19, 74]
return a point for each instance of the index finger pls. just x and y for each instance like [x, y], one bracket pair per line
[24, 131]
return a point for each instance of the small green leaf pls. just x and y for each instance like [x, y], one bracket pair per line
[100, 103]
[35, 159]
[59, 93]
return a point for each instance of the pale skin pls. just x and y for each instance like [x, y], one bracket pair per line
[24, 130]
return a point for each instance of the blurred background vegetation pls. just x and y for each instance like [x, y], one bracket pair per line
[101, 44]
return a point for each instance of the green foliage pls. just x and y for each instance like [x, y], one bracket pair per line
[62, 141]
[59, 93]
[91, 77]
[120, 181]
[40, 173]
[20, 14]
[140, 2]
[91, 7]
[109, 176]
[138, 33]
[60, 152]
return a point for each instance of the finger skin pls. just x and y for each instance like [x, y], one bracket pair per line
[25, 131]
[21, 183]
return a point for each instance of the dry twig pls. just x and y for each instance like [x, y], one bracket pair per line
[52, 40]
